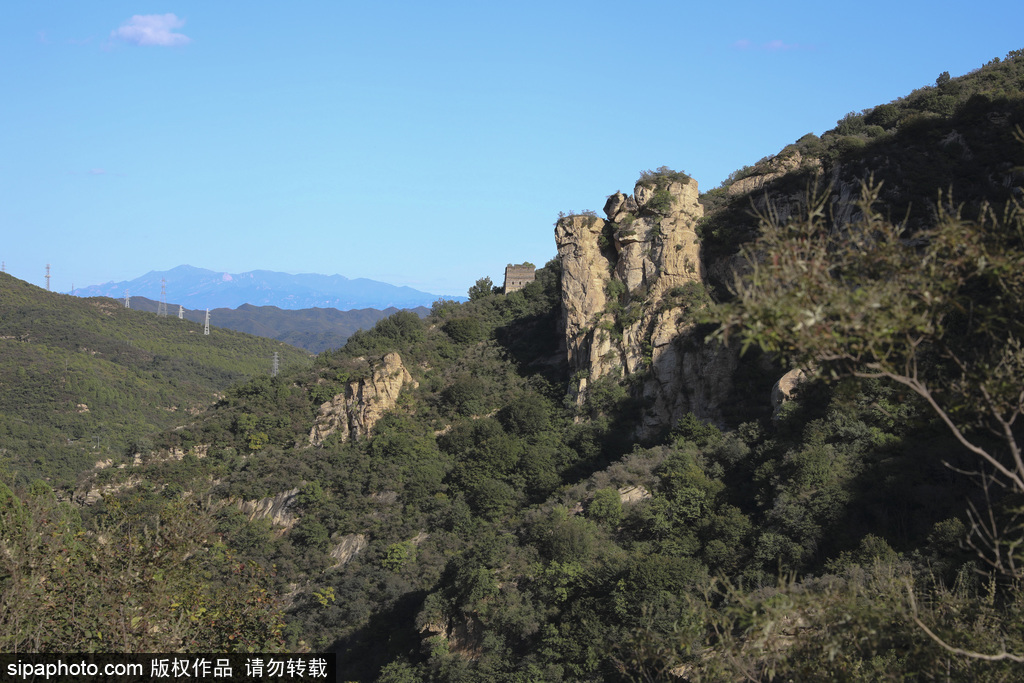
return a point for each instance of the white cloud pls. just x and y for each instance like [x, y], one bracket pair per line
[152, 29]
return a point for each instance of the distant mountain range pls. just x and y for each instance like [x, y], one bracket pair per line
[198, 288]
[313, 329]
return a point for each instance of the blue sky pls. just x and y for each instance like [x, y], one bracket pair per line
[419, 143]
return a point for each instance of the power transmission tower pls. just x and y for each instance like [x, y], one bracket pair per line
[206, 330]
[126, 304]
[273, 371]
[161, 308]
[47, 277]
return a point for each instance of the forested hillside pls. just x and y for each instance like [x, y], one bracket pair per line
[954, 135]
[88, 380]
[485, 494]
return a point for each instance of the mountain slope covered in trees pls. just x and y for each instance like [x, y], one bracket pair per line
[86, 380]
[439, 499]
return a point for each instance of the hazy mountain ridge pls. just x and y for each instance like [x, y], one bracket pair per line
[313, 329]
[199, 288]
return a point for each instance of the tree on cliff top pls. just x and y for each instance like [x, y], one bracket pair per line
[483, 287]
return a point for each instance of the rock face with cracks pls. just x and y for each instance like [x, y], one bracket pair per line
[356, 410]
[627, 283]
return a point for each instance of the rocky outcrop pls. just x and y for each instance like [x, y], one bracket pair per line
[355, 411]
[347, 547]
[774, 168]
[785, 389]
[627, 282]
[633, 494]
[90, 495]
[277, 509]
[586, 272]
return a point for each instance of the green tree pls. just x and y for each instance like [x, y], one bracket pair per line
[606, 507]
[464, 330]
[482, 288]
[131, 585]
[938, 314]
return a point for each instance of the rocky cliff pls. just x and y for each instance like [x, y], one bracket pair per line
[630, 283]
[278, 509]
[356, 410]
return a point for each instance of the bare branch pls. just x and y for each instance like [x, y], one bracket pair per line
[998, 657]
[1007, 431]
[1017, 478]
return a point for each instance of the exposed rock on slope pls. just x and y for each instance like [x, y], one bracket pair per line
[278, 509]
[786, 388]
[774, 168]
[627, 283]
[355, 411]
[347, 547]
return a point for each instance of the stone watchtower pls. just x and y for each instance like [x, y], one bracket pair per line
[517, 277]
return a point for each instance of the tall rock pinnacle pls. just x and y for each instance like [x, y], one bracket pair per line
[628, 283]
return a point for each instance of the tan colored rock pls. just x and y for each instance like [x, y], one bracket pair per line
[585, 274]
[93, 495]
[651, 253]
[346, 548]
[276, 508]
[785, 389]
[751, 183]
[776, 168]
[642, 194]
[355, 411]
[633, 494]
[614, 205]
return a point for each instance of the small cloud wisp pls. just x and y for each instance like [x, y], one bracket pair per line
[152, 29]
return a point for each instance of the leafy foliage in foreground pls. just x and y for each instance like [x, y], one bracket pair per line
[938, 316]
[126, 586]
